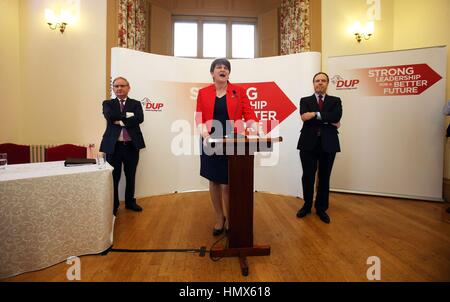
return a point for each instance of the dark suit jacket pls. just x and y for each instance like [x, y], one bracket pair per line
[111, 111]
[331, 113]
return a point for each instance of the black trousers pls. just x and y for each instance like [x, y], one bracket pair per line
[311, 160]
[128, 155]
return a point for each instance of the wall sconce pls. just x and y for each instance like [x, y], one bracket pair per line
[57, 22]
[361, 32]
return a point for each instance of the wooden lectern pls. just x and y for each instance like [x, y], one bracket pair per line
[240, 153]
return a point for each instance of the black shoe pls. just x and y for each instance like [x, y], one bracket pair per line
[303, 212]
[217, 232]
[324, 216]
[115, 211]
[134, 207]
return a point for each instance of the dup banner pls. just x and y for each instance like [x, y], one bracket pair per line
[392, 133]
[167, 88]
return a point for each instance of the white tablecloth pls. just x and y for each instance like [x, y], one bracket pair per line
[49, 212]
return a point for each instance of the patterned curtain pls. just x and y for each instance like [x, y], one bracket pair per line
[295, 26]
[132, 31]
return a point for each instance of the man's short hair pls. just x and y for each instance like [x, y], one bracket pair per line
[120, 78]
[314, 77]
[220, 61]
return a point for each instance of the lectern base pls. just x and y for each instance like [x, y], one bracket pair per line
[242, 253]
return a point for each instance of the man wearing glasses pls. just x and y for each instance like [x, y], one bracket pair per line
[123, 139]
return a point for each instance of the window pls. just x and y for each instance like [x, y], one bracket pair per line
[185, 39]
[214, 37]
[214, 40]
[243, 41]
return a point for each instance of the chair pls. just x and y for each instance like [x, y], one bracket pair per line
[17, 154]
[64, 151]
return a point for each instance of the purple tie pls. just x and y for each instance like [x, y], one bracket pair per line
[320, 102]
[126, 136]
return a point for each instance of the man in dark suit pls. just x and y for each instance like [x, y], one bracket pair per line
[318, 144]
[123, 139]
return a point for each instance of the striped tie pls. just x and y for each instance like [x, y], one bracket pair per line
[320, 102]
[126, 136]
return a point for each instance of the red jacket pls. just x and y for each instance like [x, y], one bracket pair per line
[238, 106]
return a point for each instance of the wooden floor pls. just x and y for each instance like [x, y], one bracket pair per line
[410, 238]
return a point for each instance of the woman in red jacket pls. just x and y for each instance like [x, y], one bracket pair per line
[221, 108]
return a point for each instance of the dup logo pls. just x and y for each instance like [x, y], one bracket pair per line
[341, 84]
[148, 105]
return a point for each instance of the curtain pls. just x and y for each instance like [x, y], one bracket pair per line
[133, 22]
[295, 26]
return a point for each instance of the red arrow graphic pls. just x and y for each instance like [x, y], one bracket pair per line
[269, 102]
[398, 80]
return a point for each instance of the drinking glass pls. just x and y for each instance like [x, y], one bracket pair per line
[101, 160]
[3, 160]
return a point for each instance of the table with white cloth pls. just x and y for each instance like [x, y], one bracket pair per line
[49, 212]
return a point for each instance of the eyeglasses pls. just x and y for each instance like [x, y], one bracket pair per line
[120, 86]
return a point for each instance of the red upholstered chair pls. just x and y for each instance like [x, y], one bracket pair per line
[64, 151]
[17, 154]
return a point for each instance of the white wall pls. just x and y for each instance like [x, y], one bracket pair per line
[10, 126]
[427, 22]
[62, 76]
[339, 15]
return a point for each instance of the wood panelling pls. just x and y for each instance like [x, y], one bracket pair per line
[112, 7]
[216, 5]
[268, 33]
[248, 5]
[267, 5]
[229, 8]
[161, 31]
[316, 25]
[167, 4]
[266, 11]
[186, 4]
